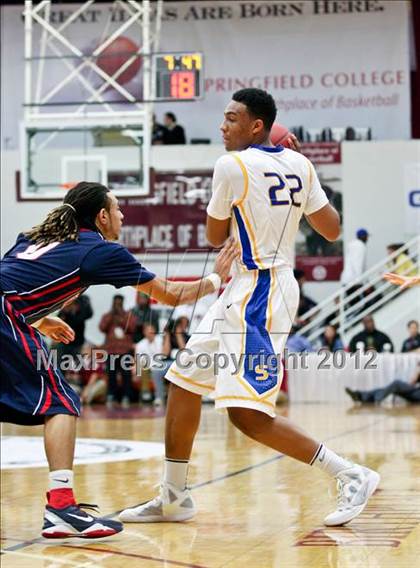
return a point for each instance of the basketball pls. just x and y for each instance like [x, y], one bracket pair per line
[279, 135]
[116, 54]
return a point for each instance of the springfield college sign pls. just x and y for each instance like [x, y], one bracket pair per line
[327, 63]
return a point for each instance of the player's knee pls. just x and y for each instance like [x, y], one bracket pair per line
[249, 422]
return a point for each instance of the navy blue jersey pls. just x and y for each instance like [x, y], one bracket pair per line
[38, 280]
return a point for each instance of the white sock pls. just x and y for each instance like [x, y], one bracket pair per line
[175, 472]
[329, 461]
[61, 479]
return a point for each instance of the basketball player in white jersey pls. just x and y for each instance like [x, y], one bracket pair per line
[260, 193]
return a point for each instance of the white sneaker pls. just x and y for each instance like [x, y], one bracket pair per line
[158, 402]
[171, 505]
[354, 485]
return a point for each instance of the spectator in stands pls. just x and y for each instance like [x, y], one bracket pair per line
[409, 391]
[371, 338]
[333, 315]
[305, 303]
[93, 378]
[370, 297]
[75, 314]
[174, 132]
[331, 340]
[297, 343]
[355, 258]
[412, 343]
[402, 264]
[118, 326]
[151, 346]
[175, 337]
[158, 132]
[181, 331]
[143, 315]
[366, 298]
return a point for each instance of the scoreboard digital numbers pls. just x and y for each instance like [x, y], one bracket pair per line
[179, 76]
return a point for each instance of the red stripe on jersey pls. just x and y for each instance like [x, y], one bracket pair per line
[51, 375]
[37, 305]
[22, 336]
[47, 402]
[44, 292]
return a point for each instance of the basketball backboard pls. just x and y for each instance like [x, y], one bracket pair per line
[55, 159]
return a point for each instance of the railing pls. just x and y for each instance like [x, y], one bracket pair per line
[349, 305]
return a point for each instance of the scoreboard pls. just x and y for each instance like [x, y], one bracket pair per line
[178, 76]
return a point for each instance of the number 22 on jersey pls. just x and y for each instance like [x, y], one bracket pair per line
[275, 188]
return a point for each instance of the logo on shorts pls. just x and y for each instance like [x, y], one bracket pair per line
[261, 373]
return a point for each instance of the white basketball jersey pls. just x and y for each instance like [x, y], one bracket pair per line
[265, 190]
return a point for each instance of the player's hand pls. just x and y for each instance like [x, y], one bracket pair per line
[224, 259]
[56, 329]
[403, 281]
[294, 144]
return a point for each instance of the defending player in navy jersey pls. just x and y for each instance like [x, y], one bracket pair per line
[48, 266]
[259, 195]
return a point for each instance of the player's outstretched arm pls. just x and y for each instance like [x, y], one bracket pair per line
[403, 281]
[326, 222]
[55, 328]
[178, 293]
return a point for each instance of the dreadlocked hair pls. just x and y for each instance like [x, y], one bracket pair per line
[80, 207]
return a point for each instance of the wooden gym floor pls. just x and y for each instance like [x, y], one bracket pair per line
[256, 509]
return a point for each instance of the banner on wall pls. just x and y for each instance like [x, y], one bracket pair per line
[173, 219]
[334, 68]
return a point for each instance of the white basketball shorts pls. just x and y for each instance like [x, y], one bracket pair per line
[235, 354]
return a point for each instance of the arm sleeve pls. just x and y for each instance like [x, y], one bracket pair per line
[220, 206]
[317, 198]
[111, 263]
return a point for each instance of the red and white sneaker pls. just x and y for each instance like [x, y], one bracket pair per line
[73, 521]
